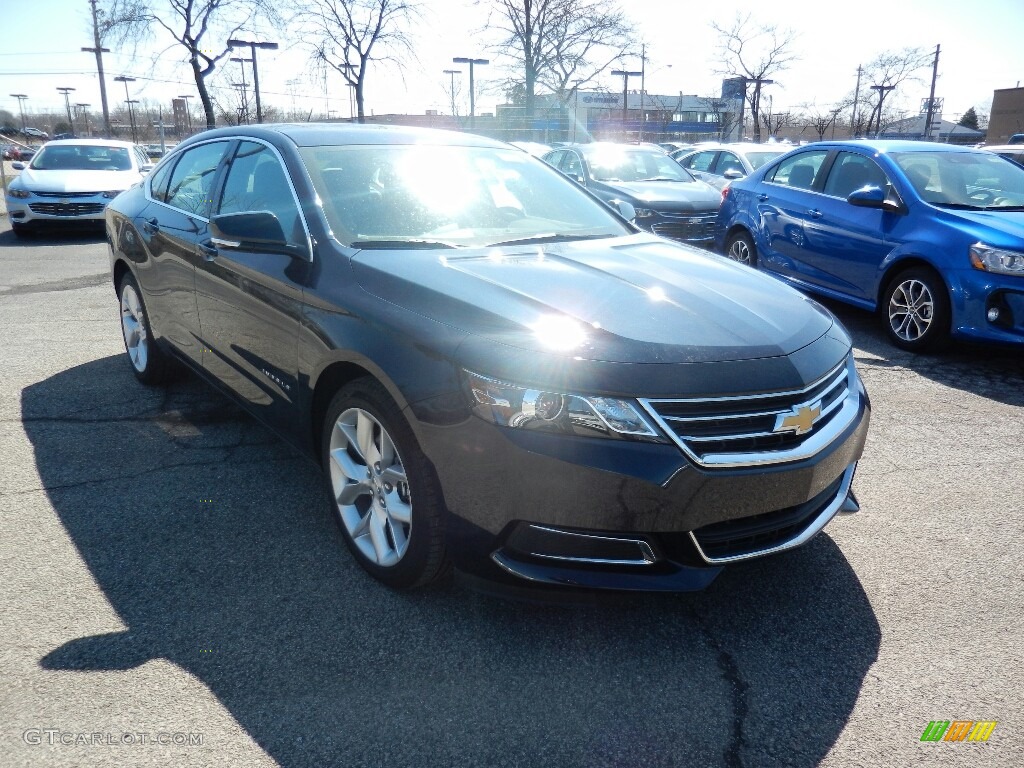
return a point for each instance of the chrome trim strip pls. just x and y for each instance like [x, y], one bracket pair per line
[225, 243]
[643, 546]
[809, 532]
[761, 396]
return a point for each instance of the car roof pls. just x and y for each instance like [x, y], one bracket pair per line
[88, 142]
[884, 146]
[329, 134]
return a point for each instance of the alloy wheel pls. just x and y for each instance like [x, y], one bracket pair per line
[911, 310]
[369, 485]
[740, 251]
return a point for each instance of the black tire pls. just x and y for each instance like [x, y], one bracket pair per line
[740, 248]
[372, 500]
[150, 364]
[915, 310]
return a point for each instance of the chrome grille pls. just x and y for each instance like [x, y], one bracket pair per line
[68, 195]
[67, 209]
[689, 228]
[760, 429]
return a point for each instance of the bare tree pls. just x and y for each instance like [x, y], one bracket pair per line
[559, 45]
[349, 34]
[776, 121]
[887, 72]
[193, 23]
[755, 52]
[819, 119]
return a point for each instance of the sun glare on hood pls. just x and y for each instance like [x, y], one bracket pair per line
[559, 333]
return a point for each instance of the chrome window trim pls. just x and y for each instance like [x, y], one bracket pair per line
[803, 537]
[229, 140]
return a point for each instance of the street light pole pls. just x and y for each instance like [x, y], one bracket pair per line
[472, 86]
[188, 109]
[21, 105]
[83, 109]
[255, 68]
[131, 118]
[625, 74]
[882, 90]
[243, 86]
[128, 99]
[67, 105]
[99, 50]
[453, 73]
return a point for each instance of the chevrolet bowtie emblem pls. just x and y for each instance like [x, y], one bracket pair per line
[800, 420]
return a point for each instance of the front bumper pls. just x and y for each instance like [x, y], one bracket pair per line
[43, 208]
[974, 293]
[552, 509]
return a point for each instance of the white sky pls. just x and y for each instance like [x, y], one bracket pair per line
[981, 51]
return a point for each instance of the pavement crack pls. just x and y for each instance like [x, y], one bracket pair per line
[738, 688]
[67, 284]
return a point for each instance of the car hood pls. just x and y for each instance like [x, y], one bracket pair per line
[696, 193]
[1008, 224]
[77, 181]
[635, 299]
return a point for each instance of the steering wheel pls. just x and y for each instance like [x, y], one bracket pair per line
[983, 196]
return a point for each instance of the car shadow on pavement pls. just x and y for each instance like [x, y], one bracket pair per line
[986, 370]
[53, 236]
[211, 540]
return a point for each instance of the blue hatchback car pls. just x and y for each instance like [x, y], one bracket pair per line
[930, 235]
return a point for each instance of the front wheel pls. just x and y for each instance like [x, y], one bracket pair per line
[381, 488]
[741, 248]
[916, 309]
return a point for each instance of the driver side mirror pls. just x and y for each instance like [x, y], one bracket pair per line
[873, 197]
[624, 209]
[734, 173]
[252, 230]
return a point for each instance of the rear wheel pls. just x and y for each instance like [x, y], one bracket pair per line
[382, 490]
[916, 310]
[740, 247]
[150, 364]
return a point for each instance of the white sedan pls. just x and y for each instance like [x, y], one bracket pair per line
[71, 181]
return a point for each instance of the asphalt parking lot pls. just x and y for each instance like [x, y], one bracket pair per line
[169, 573]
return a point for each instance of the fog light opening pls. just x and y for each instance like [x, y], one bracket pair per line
[993, 314]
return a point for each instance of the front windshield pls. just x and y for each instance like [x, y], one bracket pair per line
[969, 180]
[81, 157]
[409, 196]
[626, 164]
[757, 159]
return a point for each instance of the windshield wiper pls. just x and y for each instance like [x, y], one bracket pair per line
[961, 206]
[400, 244]
[549, 237]
[662, 178]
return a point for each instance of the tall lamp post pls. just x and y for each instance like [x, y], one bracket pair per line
[243, 87]
[67, 105]
[453, 73]
[472, 86]
[128, 99]
[188, 109]
[21, 106]
[131, 118]
[255, 69]
[882, 91]
[83, 109]
[625, 74]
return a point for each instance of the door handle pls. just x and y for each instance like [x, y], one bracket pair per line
[762, 197]
[815, 213]
[151, 226]
[209, 250]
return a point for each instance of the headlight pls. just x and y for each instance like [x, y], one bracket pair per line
[112, 193]
[989, 259]
[20, 194]
[645, 213]
[510, 406]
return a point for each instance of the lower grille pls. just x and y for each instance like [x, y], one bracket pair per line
[67, 209]
[68, 195]
[782, 529]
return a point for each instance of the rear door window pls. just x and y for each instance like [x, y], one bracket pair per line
[799, 171]
[191, 181]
